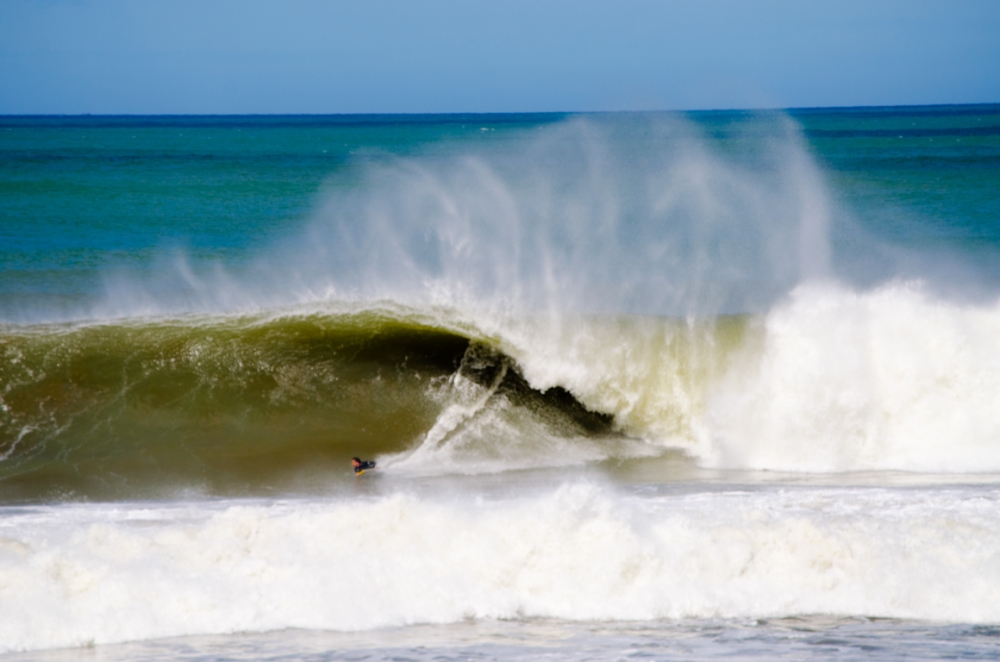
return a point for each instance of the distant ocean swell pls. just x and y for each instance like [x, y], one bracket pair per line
[82, 574]
[829, 380]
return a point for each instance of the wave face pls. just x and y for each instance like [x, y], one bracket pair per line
[251, 404]
[83, 574]
[104, 409]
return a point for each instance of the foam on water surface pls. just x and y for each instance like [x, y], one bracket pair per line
[801, 638]
[78, 574]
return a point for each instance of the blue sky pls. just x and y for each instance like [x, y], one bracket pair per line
[387, 56]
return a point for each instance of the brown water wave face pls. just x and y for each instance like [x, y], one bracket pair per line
[217, 405]
[146, 409]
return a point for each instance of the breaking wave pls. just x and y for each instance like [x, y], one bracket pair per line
[830, 380]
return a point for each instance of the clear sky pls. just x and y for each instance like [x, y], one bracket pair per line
[388, 56]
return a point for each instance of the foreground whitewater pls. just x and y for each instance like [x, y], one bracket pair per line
[578, 551]
[636, 385]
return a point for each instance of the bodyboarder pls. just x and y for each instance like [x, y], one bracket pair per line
[360, 466]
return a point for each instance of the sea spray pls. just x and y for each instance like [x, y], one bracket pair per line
[638, 214]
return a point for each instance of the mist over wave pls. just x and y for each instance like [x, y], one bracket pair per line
[621, 214]
[633, 216]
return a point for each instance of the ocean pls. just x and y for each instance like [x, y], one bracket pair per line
[671, 386]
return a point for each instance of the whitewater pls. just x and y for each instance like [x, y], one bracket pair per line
[635, 384]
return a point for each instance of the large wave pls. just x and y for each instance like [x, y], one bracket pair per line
[632, 285]
[829, 380]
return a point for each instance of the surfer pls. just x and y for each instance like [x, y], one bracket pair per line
[360, 466]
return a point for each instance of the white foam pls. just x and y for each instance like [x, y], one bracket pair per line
[888, 379]
[74, 575]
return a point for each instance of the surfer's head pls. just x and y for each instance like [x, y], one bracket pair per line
[356, 461]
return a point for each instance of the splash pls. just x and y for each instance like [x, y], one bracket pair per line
[644, 214]
[631, 215]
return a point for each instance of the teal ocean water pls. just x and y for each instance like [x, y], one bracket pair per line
[639, 385]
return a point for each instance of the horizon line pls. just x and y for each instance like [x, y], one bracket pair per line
[761, 109]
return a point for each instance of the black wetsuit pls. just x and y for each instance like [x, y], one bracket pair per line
[363, 466]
